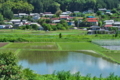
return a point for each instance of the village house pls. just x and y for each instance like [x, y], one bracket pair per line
[90, 11]
[49, 15]
[76, 11]
[94, 28]
[111, 23]
[8, 26]
[97, 30]
[42, 14]
[15, 15]
[108, 23]
[56, 21]
[55, 18]
[2, 26]
[117, 25]
[22, 14]
[15, 20]
[108, 12]
[93, 21]
[71, 23]
[34, 14]
[36, 17]
[66, 13]
[18, 22]
[102, 9]
[64, 18]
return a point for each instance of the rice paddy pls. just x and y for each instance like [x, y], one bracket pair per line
[113, 47]
[60, 46]
[108, 44]
[32, 45]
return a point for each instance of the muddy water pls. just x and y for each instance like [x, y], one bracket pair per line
[46, 62]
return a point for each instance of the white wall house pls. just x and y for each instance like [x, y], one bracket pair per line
[22, 14]
[116, 24]
[102, 9]
[2, 26]
[15, 20]
[56, 21]
[8, 26]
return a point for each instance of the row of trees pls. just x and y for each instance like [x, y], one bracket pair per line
[55, 5]
[30, 27]
[46, 23]
[72, 5]
[8, 8]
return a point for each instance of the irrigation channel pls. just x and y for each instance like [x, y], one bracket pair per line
[46, 62]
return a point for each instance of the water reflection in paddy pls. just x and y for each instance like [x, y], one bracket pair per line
[48, 62]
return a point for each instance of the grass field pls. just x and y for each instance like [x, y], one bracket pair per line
[65, 32]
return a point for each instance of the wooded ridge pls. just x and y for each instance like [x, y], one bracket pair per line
[38, 6]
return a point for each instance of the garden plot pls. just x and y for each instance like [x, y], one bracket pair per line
[32, 45]
[108, 44]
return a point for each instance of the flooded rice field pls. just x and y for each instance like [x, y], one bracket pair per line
[46, 62]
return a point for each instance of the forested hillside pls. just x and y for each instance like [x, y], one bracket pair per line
[16, 6]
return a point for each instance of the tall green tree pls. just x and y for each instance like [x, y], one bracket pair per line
[9, 70]
[1, 19]
[21, 6]
[8, 13]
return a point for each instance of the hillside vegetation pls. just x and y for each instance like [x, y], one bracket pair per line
[16, 6]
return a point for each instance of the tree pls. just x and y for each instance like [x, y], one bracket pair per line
[28, 27]
[1, 19]
[60, 35]
[9, 69]
[21, 6]
[34, 26]
[8, 13]
[114, 10]
[48, 21]
[116, 34]
[62, 21]
[58, 12]
[100, 23]
[99, 13]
